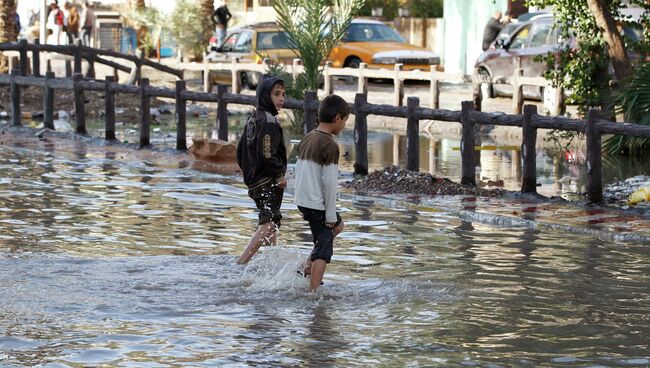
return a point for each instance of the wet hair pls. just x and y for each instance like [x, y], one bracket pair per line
[331, 106]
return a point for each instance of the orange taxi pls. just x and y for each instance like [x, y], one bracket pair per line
[376, 44]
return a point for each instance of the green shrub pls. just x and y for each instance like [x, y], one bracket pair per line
[634, 103]
[187, 25]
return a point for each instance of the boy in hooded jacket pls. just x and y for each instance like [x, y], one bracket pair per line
[262, 157]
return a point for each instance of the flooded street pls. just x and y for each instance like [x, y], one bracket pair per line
[105, 261]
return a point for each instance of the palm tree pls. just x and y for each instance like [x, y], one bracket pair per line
[141, 29]
[7, 27]
[207, 8]
[314, 27]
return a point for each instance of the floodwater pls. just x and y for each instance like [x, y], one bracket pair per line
[112, 263]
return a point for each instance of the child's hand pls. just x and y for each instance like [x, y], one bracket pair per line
[282, 182]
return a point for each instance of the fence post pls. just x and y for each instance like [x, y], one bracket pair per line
[236, 80]
[294, 68]
[594, 158]
[399, 86]
[560, 105]
[310, 112]
[468, 175]
[360, 135]
[68, 68]
[362, 81]
[412, 134]
[79, 104]
[138, 68]
[528, 148]
[24, 61]
[517, 92]
[109, 108]
[145, 114]
[434, 90]
[222, 113]
[477, 92]
[77, 56]
[328, 86]
[90, 73]
[15, 98]
[48, 102]
[36, 60]
[181, 139]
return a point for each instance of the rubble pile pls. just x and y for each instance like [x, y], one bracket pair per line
[394, 179]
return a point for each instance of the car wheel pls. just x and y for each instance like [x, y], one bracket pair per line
[352, 62]
[487, 90]
[246, 81]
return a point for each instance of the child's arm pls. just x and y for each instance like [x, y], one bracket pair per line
[269, 141]
[329, 179]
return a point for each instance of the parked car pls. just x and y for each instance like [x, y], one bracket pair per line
[520, 43]
[376, 44]
[367, 41]
[251, 44]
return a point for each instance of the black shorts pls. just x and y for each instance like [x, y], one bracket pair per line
[268, 199]
[323, 236]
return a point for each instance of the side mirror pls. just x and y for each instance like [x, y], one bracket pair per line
[500, 43]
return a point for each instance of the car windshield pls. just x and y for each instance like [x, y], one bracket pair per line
[272, 40]
[507, 31]
[371, 32]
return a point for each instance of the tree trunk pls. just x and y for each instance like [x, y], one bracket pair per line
[207, 8]
[141, 30]
[615, 46]
[7, 28]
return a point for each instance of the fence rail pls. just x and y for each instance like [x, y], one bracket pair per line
[397, 75]
[74, 54]
[594, 127]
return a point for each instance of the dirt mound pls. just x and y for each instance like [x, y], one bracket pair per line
[396, 180]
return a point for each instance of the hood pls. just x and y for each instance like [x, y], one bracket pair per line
[263, 94]
[374, 47]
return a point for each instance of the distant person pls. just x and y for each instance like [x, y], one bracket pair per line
[220, 17]
[316, 185]
[492, 29]
[507, 18]
[16, 20]
[72, 26]
[262, 157]
[86, 21]
[55, 22]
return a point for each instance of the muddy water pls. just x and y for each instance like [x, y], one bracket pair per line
[106, 262]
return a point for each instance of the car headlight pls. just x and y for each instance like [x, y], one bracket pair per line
[384, 60]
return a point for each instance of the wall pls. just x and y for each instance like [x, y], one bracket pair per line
[464, 21]
[425, 32]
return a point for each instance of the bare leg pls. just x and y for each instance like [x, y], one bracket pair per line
[307, 271]
[265, 234]
[317, 272]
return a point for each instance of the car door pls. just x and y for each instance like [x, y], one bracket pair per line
[508, 57]
[539, 44]
[224, 55]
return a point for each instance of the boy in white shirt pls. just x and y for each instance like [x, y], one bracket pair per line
[316, 183]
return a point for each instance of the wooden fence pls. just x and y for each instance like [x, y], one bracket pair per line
[73, 56]
[397, 75]
[594, 127]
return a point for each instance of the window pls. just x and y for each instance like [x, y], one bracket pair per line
[272, 41]
[244, 42]
[540, 35]
[371, 32]
[519, 41]
[230, 42]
